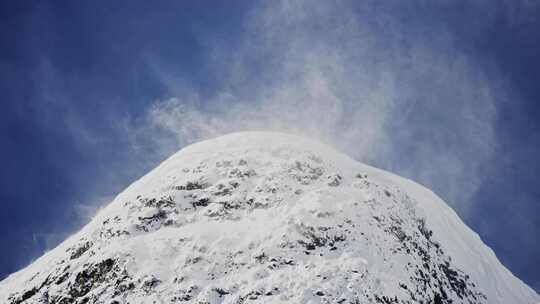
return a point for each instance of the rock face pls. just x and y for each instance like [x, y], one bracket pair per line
[269, 218]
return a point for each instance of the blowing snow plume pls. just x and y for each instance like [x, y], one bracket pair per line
[362, 77]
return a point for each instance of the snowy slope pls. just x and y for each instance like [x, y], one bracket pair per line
[259, 217]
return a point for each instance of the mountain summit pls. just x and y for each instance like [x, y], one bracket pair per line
[258, 217]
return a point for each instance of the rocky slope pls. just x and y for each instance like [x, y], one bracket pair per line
[269, 218]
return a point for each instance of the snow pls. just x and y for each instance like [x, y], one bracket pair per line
[266, 218]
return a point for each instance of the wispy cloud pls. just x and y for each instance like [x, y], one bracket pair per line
[355, 76]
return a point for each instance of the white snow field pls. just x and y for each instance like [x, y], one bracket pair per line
[257, 217]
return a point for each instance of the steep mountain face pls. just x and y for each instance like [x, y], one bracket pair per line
[269, 218]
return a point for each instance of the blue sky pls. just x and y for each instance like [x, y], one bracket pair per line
[95, 94]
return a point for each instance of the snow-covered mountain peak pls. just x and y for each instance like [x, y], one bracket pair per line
[257, 217]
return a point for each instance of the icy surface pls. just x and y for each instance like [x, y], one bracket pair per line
[259, 217]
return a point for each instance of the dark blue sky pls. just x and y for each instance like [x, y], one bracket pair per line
[79, 81]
